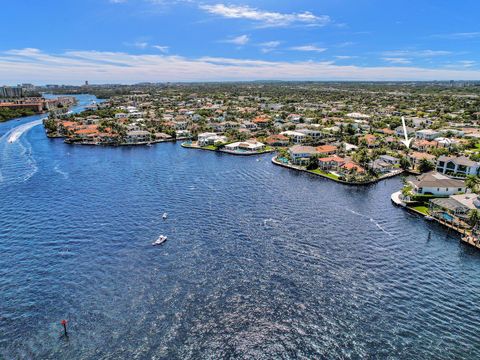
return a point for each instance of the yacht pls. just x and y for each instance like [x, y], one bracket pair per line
[165, 215]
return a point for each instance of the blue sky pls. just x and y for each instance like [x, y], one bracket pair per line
[127, 41]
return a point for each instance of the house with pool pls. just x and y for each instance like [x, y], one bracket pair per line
[251, 146]
[455, 207]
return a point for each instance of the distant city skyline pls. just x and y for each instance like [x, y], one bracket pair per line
[130, 41]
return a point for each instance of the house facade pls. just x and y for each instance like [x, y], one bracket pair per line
[457, 166]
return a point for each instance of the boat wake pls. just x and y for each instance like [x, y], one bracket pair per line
[15, 133]
[380, 227]
[16, 160]
[61, 172]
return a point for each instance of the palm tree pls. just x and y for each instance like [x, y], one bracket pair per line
[473, 217]
[473, 183]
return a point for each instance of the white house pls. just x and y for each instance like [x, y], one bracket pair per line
[138, 136]
[121, 116]
[457, 166]
[205, 139]
[390, 159]
[249, 145]
[427, 134]
[314, 134]
[295, 136]
[434, 183]
[301, 154]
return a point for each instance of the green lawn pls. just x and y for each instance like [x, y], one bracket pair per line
[421, 208]
[209, 147]
[321, 172]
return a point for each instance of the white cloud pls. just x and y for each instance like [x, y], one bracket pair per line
[117, 1]
[269, 46]
[163, 49]
[265, 18]
[397, 60]
[459, 35]
[345, 57]
[33, 65]
[416, 53]
[239, 40]
[311, 48]
[138, 44]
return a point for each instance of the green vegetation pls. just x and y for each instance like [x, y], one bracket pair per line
[421, 208]
[8, 114]
[324, 173]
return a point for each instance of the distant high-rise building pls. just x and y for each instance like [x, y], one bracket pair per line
[11, 91]
[27, 86]
[86, 82]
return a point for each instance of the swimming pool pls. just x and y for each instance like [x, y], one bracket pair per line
[447, 216]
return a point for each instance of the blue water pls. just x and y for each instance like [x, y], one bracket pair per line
[261, 261]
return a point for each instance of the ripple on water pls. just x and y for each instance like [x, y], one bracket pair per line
[261, 262]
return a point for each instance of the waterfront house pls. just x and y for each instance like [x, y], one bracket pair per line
[455, 205]
[350, 167]
[331, 162]
[301, 154]
[137, 136]
[163, 136]
[251, 145]
[457, 166]
[208, 138]
[380, 166]
[416, 157]
[390, 159]
[437, 184]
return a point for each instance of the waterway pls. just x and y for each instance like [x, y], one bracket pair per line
[260, 262]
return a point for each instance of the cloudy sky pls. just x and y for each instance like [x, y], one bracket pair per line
[128, 41]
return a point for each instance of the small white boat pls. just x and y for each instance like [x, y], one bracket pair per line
[149, 144]
[161, 239]
[164, 216]
[429, 218]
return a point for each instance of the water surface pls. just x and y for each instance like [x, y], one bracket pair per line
[261, 261]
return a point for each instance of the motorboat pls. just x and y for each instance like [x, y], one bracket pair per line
[161, 239]
[164, 216]
[149, 144]
[429, 218]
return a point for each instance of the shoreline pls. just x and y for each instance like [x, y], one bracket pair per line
[395, 198]
[230, 152]
[117, 145]
[298, 168]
